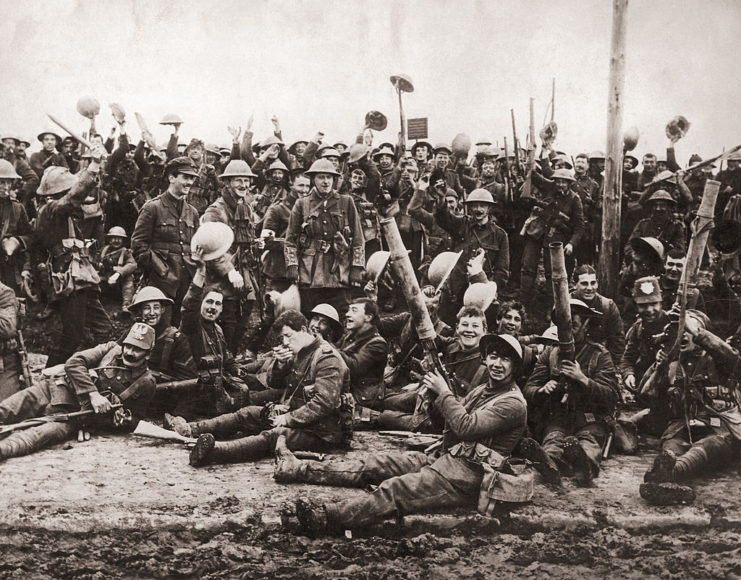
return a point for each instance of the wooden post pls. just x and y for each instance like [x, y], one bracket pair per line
[609, 259]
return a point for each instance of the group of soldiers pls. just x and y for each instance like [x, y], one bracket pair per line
[266, 315]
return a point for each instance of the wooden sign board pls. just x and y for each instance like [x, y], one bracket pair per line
[417, 128]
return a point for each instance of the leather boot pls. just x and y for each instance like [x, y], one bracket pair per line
[531, 450]
[312, 516]
[575, 454]
[32, 439]
[177, 424]
[666, 493]
[662, 469]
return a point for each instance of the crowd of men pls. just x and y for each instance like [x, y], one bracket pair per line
[266, 317]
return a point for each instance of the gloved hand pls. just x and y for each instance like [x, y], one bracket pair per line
[292, 274]
[235, 279]
[356, 275]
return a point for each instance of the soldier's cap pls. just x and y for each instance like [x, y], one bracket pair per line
[11, 137]
[182, 165]
[504, 344]
[596, 155]
[24, 142]
[384, 150]
[195, 143]
[662, 195]
[633, 161]
[69, 139]
[40, 136]
[646, 290]
[549, 336]
[562, 174]
[442, 147]
[140, 335]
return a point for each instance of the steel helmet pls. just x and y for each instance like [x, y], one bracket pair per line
[13, 138]
[7, 171]
[550, 334]
[662, 195]
[579, 307]
[376, 263]
[507, 342]
[88, 106]
[633, 161]
[237, 168]
[653, 245]
[441, 267]
[10, 245]
[357, 152]
[563, 157]
[481, 195]
[118, 112]
[149, 294]
[329, 152]
[171, 119]
[421, 143]
[562, 174]
[322, 166]
[483, 141]
[292, 148]
[327, 311]
[214, 238]
[630, 138]
[272, 140]
[385, 150]
[55, 180]
[442, 147]
[40, 136]
[481, 295]
[489, 151]
[116, 231]
[278, 164]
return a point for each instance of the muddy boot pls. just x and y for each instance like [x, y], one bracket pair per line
[626, 436]
[531, 450]
[574, 453]
[663, 468]
[207, 450]
[288, 469]
[177, 424]
[666, 493]
[312, 516]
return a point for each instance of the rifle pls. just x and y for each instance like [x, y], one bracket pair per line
[59, 418]
[23, 356]
[516, 144]
[699, 166]
[527, 187]
[701, 226]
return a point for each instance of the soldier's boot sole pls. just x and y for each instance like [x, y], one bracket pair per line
[203, 448]
[288, 468]
[662, 469]
[177, 424]
[312, 517]
[666, 493]
[531, 450]
[574, 453]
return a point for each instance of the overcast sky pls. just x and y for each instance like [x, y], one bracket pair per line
[321, 64]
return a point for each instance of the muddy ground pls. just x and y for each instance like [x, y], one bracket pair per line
[123, 507]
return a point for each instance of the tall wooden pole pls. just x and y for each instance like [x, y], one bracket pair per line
[609, 259]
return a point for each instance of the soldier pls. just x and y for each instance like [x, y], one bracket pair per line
[72, 277]
[324, 246]
[661, 223]
[558, 217]
[274, 228]
[311, 413]
[385, 158]
[161, 238]
[240, 282]
[15, 154]
[123, 182]
[481, 431]
[441, 168]
[702, 389]
[367, 211]
[10, 372]
[120, 377]
[69, 149]
[117, 264]
[325, 322]
[591, 199]
[472, 234]
[609, 328]
[365, 352]
[669, 281]
[205, 188]
[48, 156]
[422, 152]
[15, 233]
[580, 397]
[171, 358]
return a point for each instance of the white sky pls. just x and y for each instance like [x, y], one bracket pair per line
[321, 64]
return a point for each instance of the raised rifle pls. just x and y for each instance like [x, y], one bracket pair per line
[516, 144]
[527, 187]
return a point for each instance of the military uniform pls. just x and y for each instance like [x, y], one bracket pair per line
[123, 183]
[365, 354]
[74, 280]
[134, 387]
[43, 159]
[610, 331]
[313, 245]
[582, 415]
[670, 231]
[14, 224]
[313, 387]
[119, 261]
[274, 263]
[161, 245]
[481, 431]
[10, 370]
[205, 189]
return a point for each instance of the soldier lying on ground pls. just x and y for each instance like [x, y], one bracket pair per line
[121, 377]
